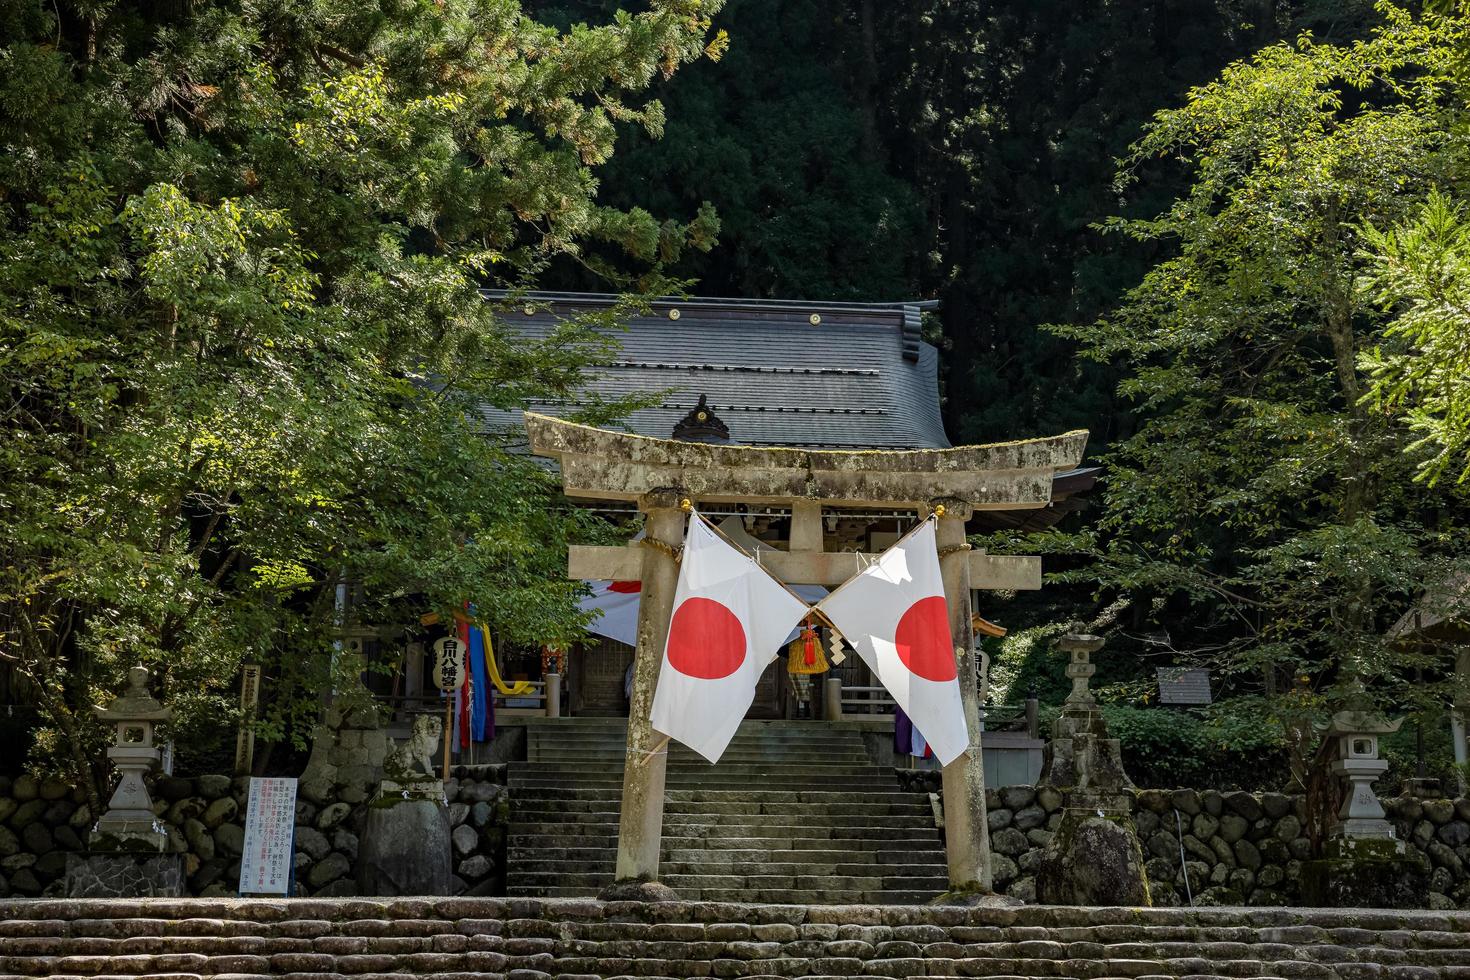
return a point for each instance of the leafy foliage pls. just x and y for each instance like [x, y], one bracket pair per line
[1263, 518]
[241, 339]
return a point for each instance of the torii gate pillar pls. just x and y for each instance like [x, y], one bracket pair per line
[966, 827]
[641, 820]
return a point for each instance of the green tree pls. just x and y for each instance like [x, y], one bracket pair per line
[1263, 517]
[1418, 271]
[242, 347]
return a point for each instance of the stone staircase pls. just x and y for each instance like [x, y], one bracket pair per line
[580, 939]
[795, 812]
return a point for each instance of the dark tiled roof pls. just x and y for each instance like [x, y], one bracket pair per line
[859, 379]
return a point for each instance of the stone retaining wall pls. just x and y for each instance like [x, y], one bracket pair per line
[42, 821]
[1237, 848]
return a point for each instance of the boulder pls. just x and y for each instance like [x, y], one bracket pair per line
[223, 809]
[1015, 797]
[1247, 855]
[53, 789]
[465, 840]
[1010, 841]
[1244, 805]
[331, 816]
[480, 814]
[230, 838]
[1212, 802]
[7, 807]
[25, 788]
[1049, 798]
[173, 788]
[59, 812]
[1277, 805]
[998, 818]
[1439, 812]
[1455, 833]
[1233, 827]
[312, 842]
[1092, 861]
[1145, 822]
[328, 870]
[458, 813]
[1003, 869]
[345, 841]
[9, 843]
[199, 838]
[213, 786]
[1186, 801]
[475, 867]
[37, 838]
[27, 813]
[66, 838]
[1028, 817]
[1288, 828]
[1205, 826]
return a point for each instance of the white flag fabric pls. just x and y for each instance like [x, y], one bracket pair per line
[730, 618]
[895, 616]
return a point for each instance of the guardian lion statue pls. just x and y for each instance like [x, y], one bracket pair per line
[415, 755]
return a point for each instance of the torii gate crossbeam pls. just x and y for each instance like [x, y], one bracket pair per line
[659, 473]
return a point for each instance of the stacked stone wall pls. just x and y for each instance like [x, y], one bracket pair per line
[1237, 848]
[41, 821]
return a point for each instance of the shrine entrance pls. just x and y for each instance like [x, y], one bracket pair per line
[659, 474]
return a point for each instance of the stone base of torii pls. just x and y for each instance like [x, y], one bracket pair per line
[660, 474]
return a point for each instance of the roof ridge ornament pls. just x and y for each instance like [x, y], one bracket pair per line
[701, 425]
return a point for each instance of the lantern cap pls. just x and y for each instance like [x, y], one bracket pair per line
[135, 703]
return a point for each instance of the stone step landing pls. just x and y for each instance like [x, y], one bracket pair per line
[530, 939]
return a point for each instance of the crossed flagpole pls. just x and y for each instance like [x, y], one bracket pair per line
[731, 615]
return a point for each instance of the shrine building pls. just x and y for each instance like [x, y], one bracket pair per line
[806, 375]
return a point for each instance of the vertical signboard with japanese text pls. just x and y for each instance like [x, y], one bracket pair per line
[270, 832]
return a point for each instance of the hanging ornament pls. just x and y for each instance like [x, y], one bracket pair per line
[838, 650]
[804, 655]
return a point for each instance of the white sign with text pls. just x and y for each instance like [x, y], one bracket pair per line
[270, 832]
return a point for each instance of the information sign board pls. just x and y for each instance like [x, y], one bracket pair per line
[270, 834]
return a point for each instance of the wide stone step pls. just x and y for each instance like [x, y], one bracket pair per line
[593, 881]
[742, 858]
[802, 936]
[614, 783]
[799, 835]
[531, 838]
[856, 795]
[735, 824]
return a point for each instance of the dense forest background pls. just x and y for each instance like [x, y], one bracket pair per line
[866, 151]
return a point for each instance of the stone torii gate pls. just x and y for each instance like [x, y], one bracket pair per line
[658, 474]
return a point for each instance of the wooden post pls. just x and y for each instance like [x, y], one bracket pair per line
[966, 832]
[553, 694]
[641, 818]
[832, 699]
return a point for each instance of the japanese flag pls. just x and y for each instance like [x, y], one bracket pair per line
[895, 616]
[730, 619]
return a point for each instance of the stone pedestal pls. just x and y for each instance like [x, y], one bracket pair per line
[405, 845]
[347, 754]
[1365, 873]
[1094, 857]
[124, 874]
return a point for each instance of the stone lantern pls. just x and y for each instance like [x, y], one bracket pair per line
[1079, 648]
[128, 853]
[1361, 815]
[129, 823]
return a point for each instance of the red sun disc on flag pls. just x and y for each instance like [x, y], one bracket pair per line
[923, 640]
[706, 640]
